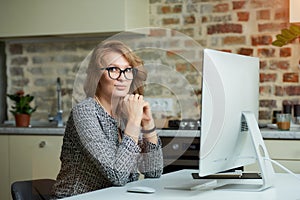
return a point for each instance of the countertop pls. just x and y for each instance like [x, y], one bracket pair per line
[267, 133]
[5, 130]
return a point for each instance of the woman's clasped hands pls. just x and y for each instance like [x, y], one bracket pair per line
[138, 113]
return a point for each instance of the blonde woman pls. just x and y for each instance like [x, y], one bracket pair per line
[110, 137]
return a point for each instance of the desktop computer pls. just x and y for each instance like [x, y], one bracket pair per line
[230, 136]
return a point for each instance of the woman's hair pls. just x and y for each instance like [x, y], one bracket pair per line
[97, 61]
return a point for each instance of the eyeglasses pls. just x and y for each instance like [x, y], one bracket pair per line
[115, 72]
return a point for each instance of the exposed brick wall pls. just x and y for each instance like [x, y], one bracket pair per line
[35, 66]
[240, 26]
[245, 27]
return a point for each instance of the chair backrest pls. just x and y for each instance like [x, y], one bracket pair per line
[32, 189]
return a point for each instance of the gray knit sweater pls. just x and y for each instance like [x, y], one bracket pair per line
[92, 157]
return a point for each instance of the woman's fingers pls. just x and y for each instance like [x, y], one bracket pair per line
[126, 97]
[133, 104]
[133, 97]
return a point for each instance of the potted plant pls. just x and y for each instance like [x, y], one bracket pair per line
[22, 109]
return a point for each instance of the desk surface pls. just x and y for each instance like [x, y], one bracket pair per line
[285, 187]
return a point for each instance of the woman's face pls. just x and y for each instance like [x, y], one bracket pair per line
[119, 87]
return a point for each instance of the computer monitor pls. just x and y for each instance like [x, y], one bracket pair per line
[230, 136]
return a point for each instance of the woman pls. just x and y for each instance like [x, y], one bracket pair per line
[110, 136]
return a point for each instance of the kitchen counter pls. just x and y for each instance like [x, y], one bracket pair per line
[278, 134]
[267, 133]
[31, 131]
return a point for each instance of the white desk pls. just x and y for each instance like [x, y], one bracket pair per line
[285, 187]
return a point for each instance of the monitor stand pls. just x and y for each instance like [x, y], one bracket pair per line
[248, 181]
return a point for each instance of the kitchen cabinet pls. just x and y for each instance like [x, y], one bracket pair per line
[28, 157]
[34, 157]
[69, 17]
[286, 152]
[4, 168]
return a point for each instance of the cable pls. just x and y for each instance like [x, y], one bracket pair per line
[282, 167]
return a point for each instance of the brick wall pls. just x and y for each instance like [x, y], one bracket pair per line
[244, 27]
[172, 72]
[35, 65]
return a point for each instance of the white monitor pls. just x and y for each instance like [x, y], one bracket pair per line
[230, 136]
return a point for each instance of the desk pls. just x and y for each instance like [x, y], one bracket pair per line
[285, 187]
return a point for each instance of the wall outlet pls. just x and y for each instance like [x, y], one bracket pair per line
[161, 104]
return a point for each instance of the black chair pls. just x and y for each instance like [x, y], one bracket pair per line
[32, 189]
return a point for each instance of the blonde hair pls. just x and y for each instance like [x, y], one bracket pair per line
[97, 61]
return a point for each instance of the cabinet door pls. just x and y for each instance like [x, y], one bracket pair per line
[33, 157]
[4, 168]
[285, 152]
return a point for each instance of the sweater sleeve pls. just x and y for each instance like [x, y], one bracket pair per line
[151, 162]
[116, 161]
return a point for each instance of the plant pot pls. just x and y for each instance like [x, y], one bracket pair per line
[22, 120]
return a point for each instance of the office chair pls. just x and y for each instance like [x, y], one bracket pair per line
[32, 189]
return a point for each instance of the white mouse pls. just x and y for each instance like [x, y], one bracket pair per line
[141, 189]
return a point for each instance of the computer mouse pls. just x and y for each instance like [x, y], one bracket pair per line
[141, 189]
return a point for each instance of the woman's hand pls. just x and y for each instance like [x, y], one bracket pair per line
[147, 120]
[138, 113]
[148, 124]
[132, 107]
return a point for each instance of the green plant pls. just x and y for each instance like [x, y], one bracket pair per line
[22, 103]
[287, 36]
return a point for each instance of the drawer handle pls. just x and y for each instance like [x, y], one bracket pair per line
[42, 144]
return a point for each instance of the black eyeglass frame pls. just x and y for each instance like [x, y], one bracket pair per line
[134, 72]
